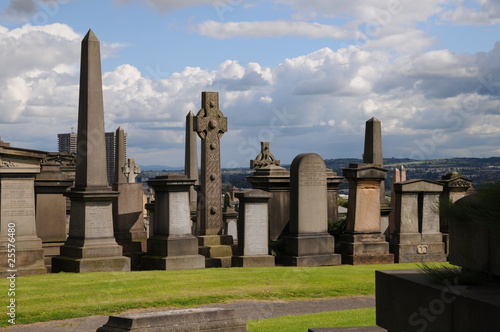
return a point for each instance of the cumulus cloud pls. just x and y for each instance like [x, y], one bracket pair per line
[259, 29]
[36, 11]
[475, 12]
[170, 5]
[316, 102]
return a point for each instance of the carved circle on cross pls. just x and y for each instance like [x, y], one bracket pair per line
[212, 210]
[212, 177]
[212, 146]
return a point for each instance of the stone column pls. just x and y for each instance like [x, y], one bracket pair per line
[417, 237]
[308, 242]
[172, 246]
[191, 159]
[363, 242]
[50, 186]
[91, 246]
[253, 217]
[456, 186]
[373, 149]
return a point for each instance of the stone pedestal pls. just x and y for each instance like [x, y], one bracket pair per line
[230, 217]
[276, 180]
[253, 245]
[332, 183]
[363, 242]
[50, 186]
[455, 187]
[91, 246]
[417, 237]
[128, 221]
[21, 250]
[172, 246]
[308, 242]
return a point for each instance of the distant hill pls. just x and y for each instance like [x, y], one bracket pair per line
[158, 168]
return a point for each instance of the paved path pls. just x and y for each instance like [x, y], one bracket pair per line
[246, 310]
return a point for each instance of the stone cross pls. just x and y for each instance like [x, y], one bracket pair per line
[131, 170]
[264, 158]
[210, 124]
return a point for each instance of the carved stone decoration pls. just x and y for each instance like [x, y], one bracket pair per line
[131, 170]
[210, 124]
[264, 158]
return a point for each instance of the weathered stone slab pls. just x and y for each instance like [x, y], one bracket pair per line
[182, 320]
[253, 244]
[308, 242]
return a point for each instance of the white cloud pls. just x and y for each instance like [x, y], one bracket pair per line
[317, 102]
[272, 29]
[478, 12]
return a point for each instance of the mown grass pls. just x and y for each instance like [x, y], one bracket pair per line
[69, 295]
[301, 323]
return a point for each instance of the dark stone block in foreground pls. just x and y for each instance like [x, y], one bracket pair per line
[349, 329]
[407, 301]
[182, 320]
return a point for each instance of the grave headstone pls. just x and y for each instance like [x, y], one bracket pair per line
[230, 216]
[91, 246]
[456, 186]
[253, 220]
[21, 251]
[271, 177]
[363, 242]
[417, 237]
[128, 208]
[50, 186]
[210, 124]
[332, 182]
[172, 246]
[308, 242]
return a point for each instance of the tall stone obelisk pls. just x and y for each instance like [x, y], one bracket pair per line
[191, 159]
[91, 246]
[373, 149]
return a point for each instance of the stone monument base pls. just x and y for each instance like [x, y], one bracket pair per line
[27, 262]
[416, 247]
[357, 249]
[217, 249]
[51, 249]
[253, 261]
[407, 301]
[192, 320]
[172, 253]
[104, 258]
[315, 249]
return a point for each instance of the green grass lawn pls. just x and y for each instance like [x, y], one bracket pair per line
[68, 295]
[301, 323]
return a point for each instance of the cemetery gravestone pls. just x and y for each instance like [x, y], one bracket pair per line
[210, 124]
[308, 242]
[21, 250]
[253, 244]
[191, 159]
[91, 246]
[417, 237]
[363, 242]
[172, 246]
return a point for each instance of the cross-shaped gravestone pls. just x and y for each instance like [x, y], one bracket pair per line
[131, 170]
[210, 124]
[264, 158]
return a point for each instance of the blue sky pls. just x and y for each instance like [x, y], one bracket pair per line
[304, 75]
